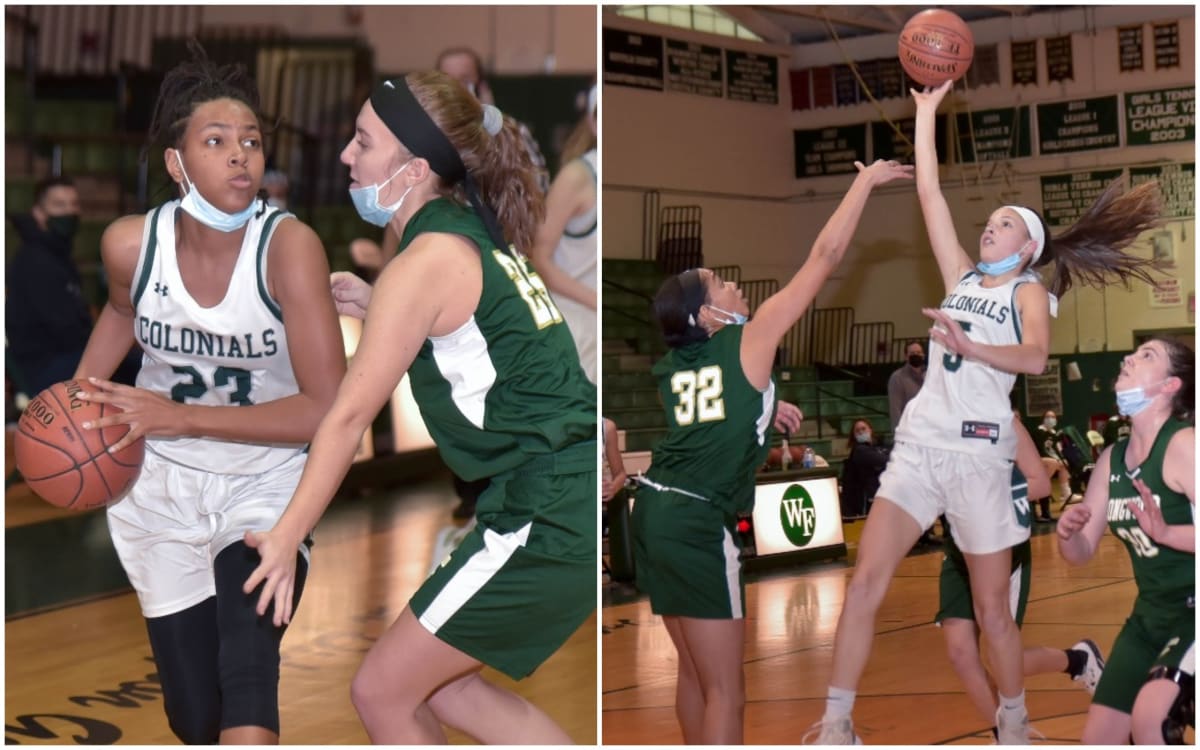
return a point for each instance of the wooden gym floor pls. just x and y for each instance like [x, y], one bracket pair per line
[909, 694]
[77, 660]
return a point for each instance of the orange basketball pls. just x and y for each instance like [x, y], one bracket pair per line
[67, 465]
[936, 46]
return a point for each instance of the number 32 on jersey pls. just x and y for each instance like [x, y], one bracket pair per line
[699, 394]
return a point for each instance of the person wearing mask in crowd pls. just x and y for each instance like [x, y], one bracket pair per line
[47, 320]
[954, 446]
[500, 389]
[1145, 495]
[564, 253]
[275, 183]
[906, 381]
[1049, 445]
[719, 398]
[864, 463]
[956, 613]
[242, 354]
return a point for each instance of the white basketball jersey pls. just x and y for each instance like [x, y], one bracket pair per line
[576, 255]
[964, 404]
[232, 354]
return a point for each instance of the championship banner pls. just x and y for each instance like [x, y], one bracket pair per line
[1059, 60]
[1162, 116]
[1129, 44]
[1166, 45]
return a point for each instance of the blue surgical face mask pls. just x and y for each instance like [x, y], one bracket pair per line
[366, 201]
[731, 318]
[862, 437]
[1134, 400]
[1001, 266]
[206, 213]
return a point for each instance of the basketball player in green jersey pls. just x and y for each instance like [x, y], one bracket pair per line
[717, 390]
[956, 613]
[494, 371]
[1143, 489]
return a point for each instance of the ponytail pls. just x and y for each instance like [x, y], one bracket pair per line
[1091, 251]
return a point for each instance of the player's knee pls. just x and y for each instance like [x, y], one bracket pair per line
[195, 723]
[993, 615]
[370, 690]
[866, 590]
[962, 656]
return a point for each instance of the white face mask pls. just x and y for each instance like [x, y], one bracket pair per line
[206, 213]
[1050, 422]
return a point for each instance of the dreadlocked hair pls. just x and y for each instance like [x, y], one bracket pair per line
[1091, 251]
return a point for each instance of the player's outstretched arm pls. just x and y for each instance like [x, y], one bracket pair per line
[1080, 526]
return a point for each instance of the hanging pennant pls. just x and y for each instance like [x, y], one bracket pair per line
[1059, 62]
[1129, 39]
[1024, 63]
[1166, 45]
[822, 87]
[801, 88]
[845, 85]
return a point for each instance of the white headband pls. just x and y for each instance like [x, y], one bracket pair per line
[1036, 233]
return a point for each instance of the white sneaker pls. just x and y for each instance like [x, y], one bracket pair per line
[1015, 733]
[1093, 668]
[446, 542]
[836, 732]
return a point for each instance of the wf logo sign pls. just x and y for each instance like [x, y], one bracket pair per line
[798, 515]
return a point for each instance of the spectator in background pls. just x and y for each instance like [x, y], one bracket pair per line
[275, 183]
[48, 320]
[1116, 428]
[905, 382]
[1049, 442]
[564, 251]
[861, 469]
[614, 467]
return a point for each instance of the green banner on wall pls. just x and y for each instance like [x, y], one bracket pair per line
[1066, 196]
[995, 134]
[1079, 125]
[829, 150]
[1162, 116]
[1177, 183]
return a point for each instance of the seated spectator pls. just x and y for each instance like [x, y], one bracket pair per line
[1049, 442]
[861, 470]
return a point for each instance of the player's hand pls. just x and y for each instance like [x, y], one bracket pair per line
[351, 294]
[947, 332]
[931, 97]
[1149, 516]
[788, 417]
[1072, 520]
[276, 573]
[613, 486]
[881, 172]
[146, 412]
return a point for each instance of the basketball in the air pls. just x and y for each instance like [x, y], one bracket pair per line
[67, 465]
[936, 46]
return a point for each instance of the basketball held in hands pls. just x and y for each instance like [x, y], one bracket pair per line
[936, 46]
[67, 465]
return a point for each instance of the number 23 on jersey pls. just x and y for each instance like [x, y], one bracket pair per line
[699, 394]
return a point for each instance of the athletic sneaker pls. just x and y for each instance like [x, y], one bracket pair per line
[1018, 733]
[836, 732]
[1093, 667]
[447, 541]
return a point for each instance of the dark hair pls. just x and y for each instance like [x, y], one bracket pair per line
[192, 83]
[910, 344]
[46, 185]
[475, 58]
[671, 312]
[1181, 363]
[850, 441]
[499, 164]
[1091, 250]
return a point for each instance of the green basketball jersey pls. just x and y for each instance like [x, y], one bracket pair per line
[1166, 577]
[719, 425]
[507, 386]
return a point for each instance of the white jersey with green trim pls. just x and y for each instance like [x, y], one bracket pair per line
[964, 404]
[234, 353]
[576, 256]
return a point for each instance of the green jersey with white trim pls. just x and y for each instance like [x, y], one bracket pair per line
[234, 353]
[719, 425]
[1166, 577]
[506, 386]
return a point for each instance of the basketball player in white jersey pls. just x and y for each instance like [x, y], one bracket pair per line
[216, 288]
[955, 443]
[564, 254]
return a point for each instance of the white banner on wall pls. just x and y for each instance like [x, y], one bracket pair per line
[790, 516]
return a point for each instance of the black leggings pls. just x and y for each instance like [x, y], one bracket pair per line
[218, 661]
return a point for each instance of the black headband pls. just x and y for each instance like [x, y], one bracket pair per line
[694, 292]
[407, 119]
